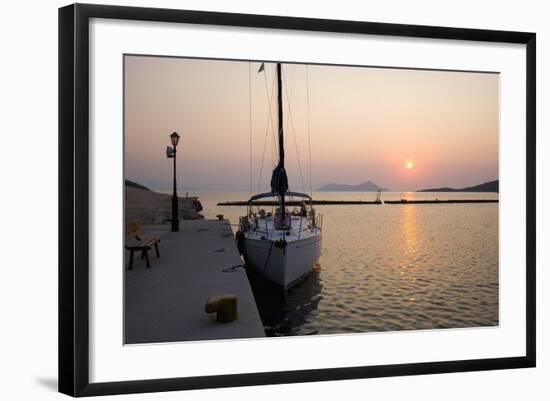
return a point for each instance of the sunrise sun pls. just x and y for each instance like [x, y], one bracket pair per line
[409, 164]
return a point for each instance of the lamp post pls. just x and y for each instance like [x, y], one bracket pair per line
[174, 138]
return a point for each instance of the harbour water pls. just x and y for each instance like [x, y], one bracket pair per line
[387, 267]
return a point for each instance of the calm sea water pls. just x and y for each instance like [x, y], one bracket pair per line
[387, 267]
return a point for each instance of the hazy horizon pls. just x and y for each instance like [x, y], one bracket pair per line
[405, 130]
[167, 187]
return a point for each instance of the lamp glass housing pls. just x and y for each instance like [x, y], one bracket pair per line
[174, 138]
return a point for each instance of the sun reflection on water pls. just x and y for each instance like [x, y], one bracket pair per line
[410, 232]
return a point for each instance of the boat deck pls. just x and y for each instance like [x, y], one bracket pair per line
[166, 302]
[298, 230]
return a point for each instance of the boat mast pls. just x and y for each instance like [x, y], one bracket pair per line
[279, 180]
[281, 165]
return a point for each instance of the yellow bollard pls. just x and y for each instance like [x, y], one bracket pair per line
[225, 307]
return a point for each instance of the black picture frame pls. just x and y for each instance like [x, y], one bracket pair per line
[74, 200]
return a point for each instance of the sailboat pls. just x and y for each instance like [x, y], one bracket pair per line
[282, 245]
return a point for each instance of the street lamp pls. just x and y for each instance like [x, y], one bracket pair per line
[171, 153]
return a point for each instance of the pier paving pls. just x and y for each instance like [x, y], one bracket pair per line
[166, 302]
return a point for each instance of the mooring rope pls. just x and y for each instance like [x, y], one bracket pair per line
[268, 256]
[232, 269]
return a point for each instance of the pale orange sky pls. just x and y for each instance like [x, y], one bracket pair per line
[365, 124]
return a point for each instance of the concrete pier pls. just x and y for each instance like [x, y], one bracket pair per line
[436, 201]
[166, 302]
[299, 203]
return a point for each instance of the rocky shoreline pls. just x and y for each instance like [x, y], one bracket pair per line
[148, 207]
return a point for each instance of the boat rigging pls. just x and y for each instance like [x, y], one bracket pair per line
[282, 245]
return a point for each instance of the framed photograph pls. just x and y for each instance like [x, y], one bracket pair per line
[251, 199]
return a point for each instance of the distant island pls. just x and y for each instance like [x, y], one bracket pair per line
[368, 186]
[491, 186]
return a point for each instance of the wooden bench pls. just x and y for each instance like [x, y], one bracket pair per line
[143, 244]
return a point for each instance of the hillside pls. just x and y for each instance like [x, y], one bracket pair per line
[133, 184]
[491, 186]
[368, 186]
[149, 207]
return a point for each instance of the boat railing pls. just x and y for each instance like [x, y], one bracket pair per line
[314, 220]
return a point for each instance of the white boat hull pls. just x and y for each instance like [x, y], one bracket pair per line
[283, 266]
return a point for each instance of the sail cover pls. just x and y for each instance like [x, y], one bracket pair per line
[279, 180]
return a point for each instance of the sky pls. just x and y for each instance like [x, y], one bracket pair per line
[402, 129]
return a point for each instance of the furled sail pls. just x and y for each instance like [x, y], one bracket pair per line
[279, 180]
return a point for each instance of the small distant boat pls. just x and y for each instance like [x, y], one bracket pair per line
[282, 245]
